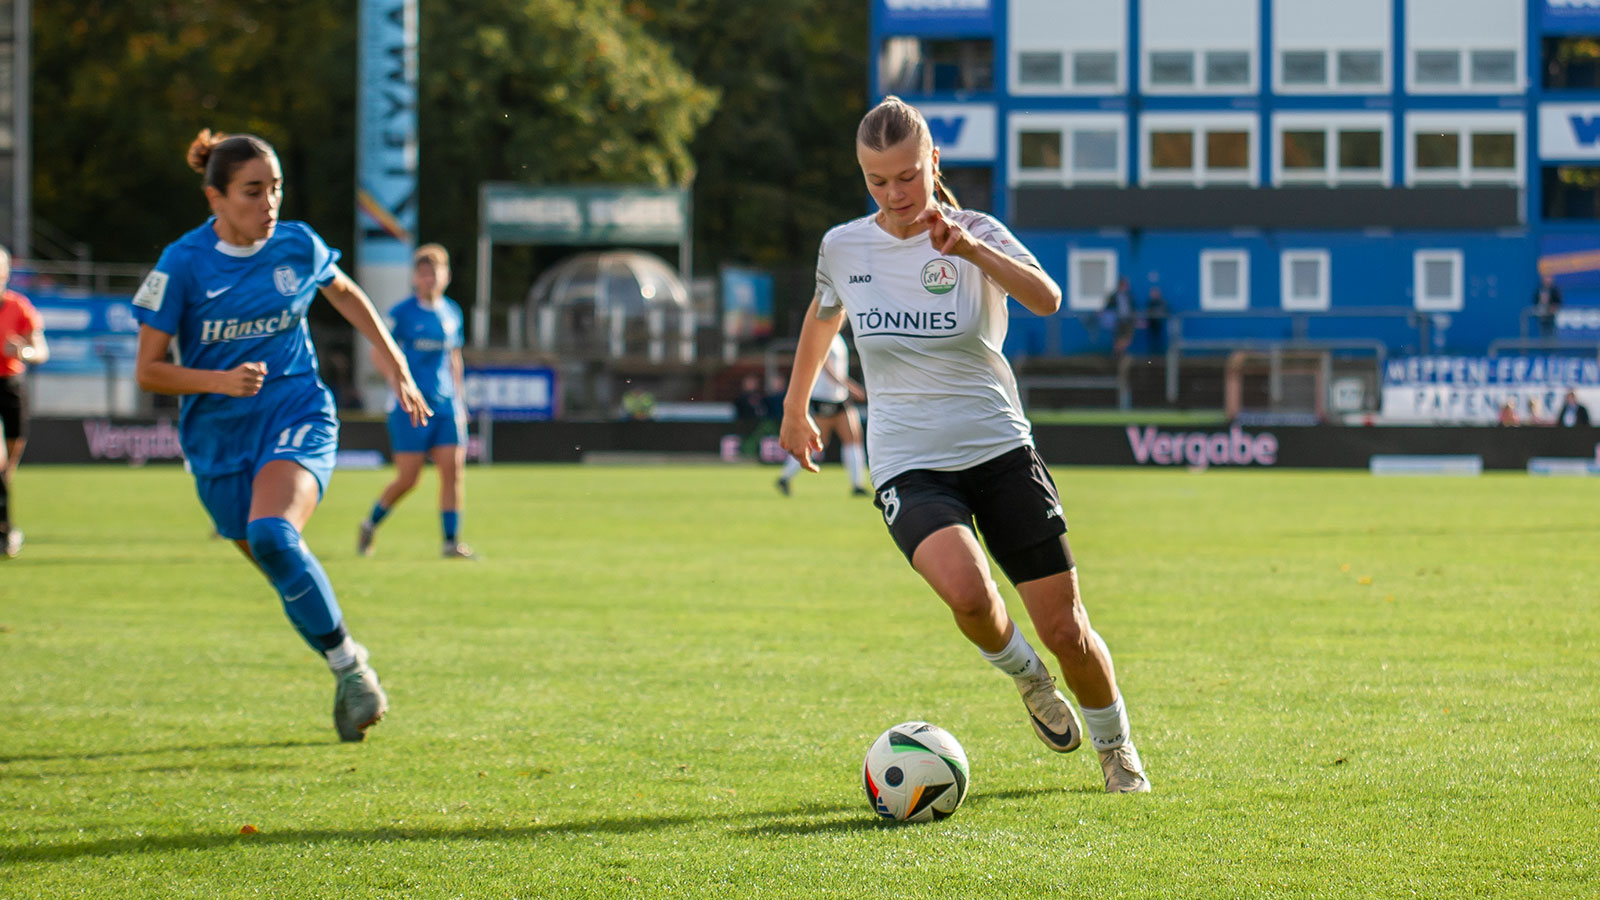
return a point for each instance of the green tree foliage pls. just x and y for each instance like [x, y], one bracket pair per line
[544, 92]
[120, 88]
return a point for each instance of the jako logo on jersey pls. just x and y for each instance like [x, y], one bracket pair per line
[287, 281]
[860, 279]
[213, 330]
[939, 276]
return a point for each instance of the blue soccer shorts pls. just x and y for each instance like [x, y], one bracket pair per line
[443, 430]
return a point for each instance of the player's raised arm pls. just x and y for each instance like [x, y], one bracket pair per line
[798, 435]
[352, 303]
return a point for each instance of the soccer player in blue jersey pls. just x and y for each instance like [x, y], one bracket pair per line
[257, 424]
[427, 327]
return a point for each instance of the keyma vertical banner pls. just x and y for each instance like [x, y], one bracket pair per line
[386, 164]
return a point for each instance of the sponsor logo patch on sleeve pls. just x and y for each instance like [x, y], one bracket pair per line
[152, 292]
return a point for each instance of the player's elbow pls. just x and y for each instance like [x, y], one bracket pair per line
[1048, 301]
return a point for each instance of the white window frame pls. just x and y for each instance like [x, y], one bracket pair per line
[1108, 34]
[1518, 85]
[1318, 303]
[1331, 85]
[1330, 124]
[1208, 299]
[1198, 58]
[1067, 124]
[1419, 261]
[1077, 299]
[1464, 125]
[1199, 124]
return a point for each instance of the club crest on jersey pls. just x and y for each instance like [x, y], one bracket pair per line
[939, 276]
[287, 281]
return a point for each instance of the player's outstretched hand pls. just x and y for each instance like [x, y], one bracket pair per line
[411, 401]
[244, 380]
[946, 234]
[799, 437]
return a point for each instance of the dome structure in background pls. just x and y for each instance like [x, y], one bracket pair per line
[592, 299]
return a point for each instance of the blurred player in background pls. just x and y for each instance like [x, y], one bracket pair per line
[427, 328]
[22, 344]
[832, 410]
[925, 283]
[257, 424]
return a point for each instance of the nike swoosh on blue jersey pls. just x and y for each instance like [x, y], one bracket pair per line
[212, 295]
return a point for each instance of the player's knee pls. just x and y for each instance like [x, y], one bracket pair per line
[270, 540]
[1067, 636]
[972, 598]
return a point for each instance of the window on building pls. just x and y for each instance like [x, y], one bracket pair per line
[1571, 192]
[1437, 68]
[1039, 150]
[1305, 151]
[1437, 280]
[1094, 68]
[1360, 152]
[1465, 148]
[1227, 68]
[915, 65]
[1494, 68]
[1360, 68]
[1572, 61]
[1040, 68]
[1091, 276]
[1068, 148]
[1304, 67]
[1228, 151]
[1224, 279]
[1171, 69]
[1173, 150]
[972, 185]
[1305, 280]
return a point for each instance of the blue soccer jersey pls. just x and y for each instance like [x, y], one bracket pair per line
[427, 335]
[225, 306]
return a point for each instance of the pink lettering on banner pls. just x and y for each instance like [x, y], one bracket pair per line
[1233, 447]
[135, 443]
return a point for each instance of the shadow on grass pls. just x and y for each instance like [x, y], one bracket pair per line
[156, 751]
[838, 819]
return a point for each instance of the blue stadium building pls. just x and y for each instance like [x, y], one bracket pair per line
[1336, 171]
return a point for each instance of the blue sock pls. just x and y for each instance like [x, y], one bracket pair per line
[451, 520]
[377, 514]
[302, 584]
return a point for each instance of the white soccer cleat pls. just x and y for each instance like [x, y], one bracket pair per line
[359, 701]
[456, 550]
[1123, 770]
[1054, 720]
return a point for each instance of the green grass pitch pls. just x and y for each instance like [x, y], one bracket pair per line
[660, 682]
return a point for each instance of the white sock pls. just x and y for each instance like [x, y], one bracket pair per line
[791, 467]
[342, 656]
[855, 462]
[1108, 727]
[1017, 659]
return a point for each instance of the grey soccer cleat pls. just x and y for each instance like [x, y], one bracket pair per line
[364, 538]
[456, 550]
[359, 701]
[1123, 770]
[1054, 720]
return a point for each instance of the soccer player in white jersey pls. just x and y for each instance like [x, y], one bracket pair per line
[925, 284]
[834, 414]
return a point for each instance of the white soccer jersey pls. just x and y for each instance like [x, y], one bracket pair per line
[929, 330]
[828, 388]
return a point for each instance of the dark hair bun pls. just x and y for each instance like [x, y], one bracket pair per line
[200, 149]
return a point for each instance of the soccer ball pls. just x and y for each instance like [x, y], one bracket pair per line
[915, 772]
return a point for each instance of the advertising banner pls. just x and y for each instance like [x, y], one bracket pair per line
[511, 392]
[746, 303]
[1569, 130]
[1572, 16]
[520, 213]
[963, 132]
[1473, 389]
[88, 335]
[974, 17]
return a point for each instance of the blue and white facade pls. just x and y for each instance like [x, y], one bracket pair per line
[1317, 156]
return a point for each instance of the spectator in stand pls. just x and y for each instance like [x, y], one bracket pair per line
[751, 404]
[1155, 316]
[22, 345]
[1535, 413]
[1546, 303]
[1508, 413]
[1119, 317]
[1573, 414]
